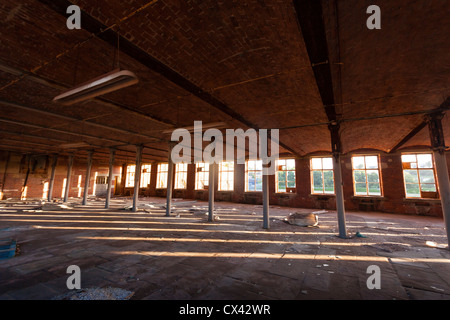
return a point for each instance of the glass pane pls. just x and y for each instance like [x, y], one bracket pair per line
[258, 165]
[290, 164]
[360, 176]
[425, 161]
[291, 184]
[373, 176]
[408, 158]
[316, 163]
[426, 176]
[328, 163]
[410, 176]
[412, 190]
[281, 187]
[328, 181]
[374, 189]
[358, 162]
[360, 189]
[291, 176]
[281, 175]
[429, 187]
[259, 181]
[317, 182]
[371, 162]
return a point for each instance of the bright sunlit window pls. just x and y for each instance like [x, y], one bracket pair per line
[180, 175]
[419, 176]
[285, 175]
[146, 172]
[322, 176]
[253, 175]
[226, 176]
[129, 178]
[201, 175]
[366, 176]
[161, 176]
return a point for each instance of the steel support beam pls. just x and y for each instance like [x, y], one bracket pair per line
[137, 177]
[110, 177]
[170, 173]
[87, 177]
[338, 183]
[52, 178]
[69, 174]
[438, 144]
[265, 187]
[211, 189]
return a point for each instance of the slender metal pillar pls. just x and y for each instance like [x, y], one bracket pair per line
[211, 184]
[265, 187]
[87, 178]
[112, 154]
[69, 174]
[438, 145]
[340, 208]
[170, 173]
[137, 177]
[52, 178]
[444, 188]
[338, 183]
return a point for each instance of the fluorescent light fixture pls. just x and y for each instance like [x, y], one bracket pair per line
[106, 83]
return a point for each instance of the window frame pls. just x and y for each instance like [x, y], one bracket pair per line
[229, 172]
[201, 176]
[365, 173]
[147, 175]
[417, 169]
[159, 171]
[312, 170]
[286, 176]
[130, 176]
[255, 171]
[183, 173]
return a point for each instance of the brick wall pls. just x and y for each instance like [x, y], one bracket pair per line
[13, 181]
[392, 201]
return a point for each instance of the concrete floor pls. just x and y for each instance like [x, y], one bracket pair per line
[186, 257]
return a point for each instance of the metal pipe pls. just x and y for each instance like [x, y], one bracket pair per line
[69, 173]
[52, 178]
[87, 178]
[110, 177]
[137, 177]
[340, 208]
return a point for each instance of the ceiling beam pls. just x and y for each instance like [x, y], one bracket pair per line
[59, 86]
[72, 119]
[409, 136]
[111, 37]
[442, 108]
[310, 19]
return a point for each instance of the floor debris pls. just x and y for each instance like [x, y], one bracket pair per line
[108, 293]
[302, 219]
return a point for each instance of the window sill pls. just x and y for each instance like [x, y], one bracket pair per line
[322, 195]
[369, 197]
[421, 200]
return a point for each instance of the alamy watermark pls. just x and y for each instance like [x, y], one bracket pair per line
[224, 148]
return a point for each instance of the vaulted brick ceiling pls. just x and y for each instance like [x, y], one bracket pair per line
[248, 58]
